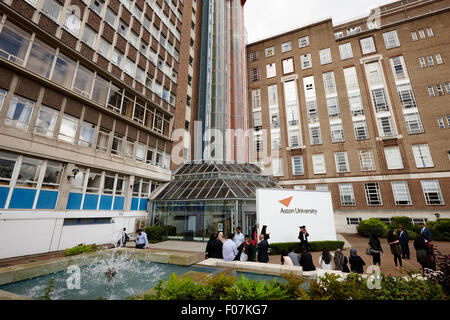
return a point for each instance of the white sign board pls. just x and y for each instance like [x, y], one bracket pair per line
[284, 211]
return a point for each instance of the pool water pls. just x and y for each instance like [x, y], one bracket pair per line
[131, 278]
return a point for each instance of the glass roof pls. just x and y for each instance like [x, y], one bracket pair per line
[215, 180]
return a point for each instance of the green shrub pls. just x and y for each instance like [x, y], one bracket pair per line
[314, 246]
[440, 230]
[80, 249]
[372, 226]
[155, 233]
[405, 222]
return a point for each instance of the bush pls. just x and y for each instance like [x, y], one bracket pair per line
[329, 287]
[405, 222]
[372, 226]
[314, 246]
[440, 230]
[80, 249]
[155, 233]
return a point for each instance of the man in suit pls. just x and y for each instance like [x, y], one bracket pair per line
[404, 240]
[263, 250]
[303, 237]
[425, 232]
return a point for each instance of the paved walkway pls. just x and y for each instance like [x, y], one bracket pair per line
[179, 246]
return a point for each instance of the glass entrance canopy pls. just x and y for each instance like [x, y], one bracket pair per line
[209, 197]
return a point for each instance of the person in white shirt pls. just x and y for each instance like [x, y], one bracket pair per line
[142, 240]
[325, 259]
[229, 249]
[239, 238]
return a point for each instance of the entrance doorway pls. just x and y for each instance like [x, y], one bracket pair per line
[249, 219]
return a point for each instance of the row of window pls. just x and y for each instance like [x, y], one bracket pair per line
[400, 190]
[430, 60]
[441, 123]
[356, 221]
[439, 89]
[55, 66]
[393, 157]
[422, 34]
[70, 130]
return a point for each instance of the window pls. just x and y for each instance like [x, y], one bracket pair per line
[2, 97]
[254, 56]
[127, 4]
[430, 61]
[401, 194]
[413, 123]
[257, 119]
[373, 194]
[68, 128]
[325, 56]
[258, 143]
[52, 175]
[366, 160]
[414, 36]
[52, 9]
[393, 158]
[110, 17]
[306, 61]
[447, 87]
[103, 140]
[288, 66]
[438, 58]
[275, 140]
[285, 47]
[347, 195]
[380, 100]
[391, 39]
[123, 28]
[87, 132]
[19, 113]
[41, 58]
[270, 52]
[129, 148]
[337, 133]
[46, 121]
[271, 70]
[385, 126]
[140, 152]
[439, 89]
[83, 81]
[448, 121]
[300, 188]
[406, 96]
[72, 22]
[254, 74]
[129, 67]
[322, 187]
[303, 42]
[150, 156]
[315, 135]
[97, 6]
[133, 38]
[104, 47]
[319, 164]
[29, 172]
[361, 132]
[367, 45]
[117, 57]
[277, 167]
[432, 192]
[14, 42]
[353, 221]
[140, 75]
[297, 165]
[89, 36]
[423, 63]
[256, 99]
[422, 34]
[117, 145]
[346, 51]
[430, 32]
[431, 91]
[422, 156]
[7, 164]
[341, 159]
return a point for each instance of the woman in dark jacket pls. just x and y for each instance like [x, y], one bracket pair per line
[375, 249]
[247, 248]
[340, 261]
[356, 262]
[306, 262]
[421, 251]
[214, 247]
[396, 250]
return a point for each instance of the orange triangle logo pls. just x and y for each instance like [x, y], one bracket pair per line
[286, 201]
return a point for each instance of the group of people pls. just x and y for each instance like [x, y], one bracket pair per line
[239, 247]
[399, 245]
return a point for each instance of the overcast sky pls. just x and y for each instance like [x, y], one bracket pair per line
[264, 18]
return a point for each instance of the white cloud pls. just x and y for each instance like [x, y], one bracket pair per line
[264, 18]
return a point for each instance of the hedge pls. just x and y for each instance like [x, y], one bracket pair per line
[155, 233]
[440, 230]
[372, 226]
[314, 246]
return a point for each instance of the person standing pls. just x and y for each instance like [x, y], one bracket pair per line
[356, 262]
[263, 249]
[303, 237]
[306, 262]
[142, 240]
[229, 249]
[238, 237]
[294, 257]
[264, 232]
[421, 251]
[123, 238]
[375, 249]
[325, 259]
[425, 232]
[247, 248]
[404, 242]
[396, 250]
[340, 261]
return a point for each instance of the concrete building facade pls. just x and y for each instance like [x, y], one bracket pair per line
[359, 109]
